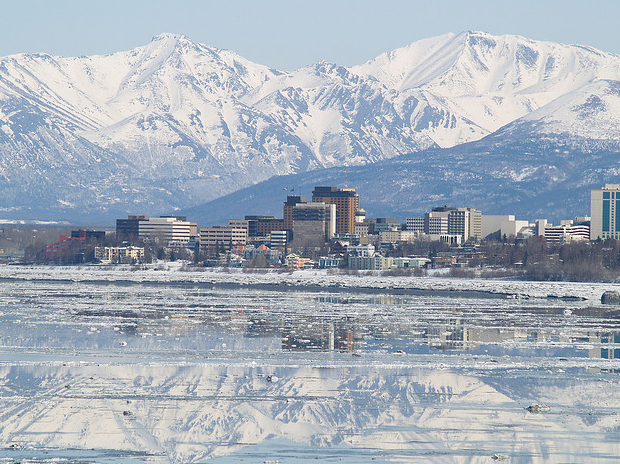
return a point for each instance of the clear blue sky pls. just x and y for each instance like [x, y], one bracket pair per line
[287, 34]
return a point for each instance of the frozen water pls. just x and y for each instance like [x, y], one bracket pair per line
[112, 366]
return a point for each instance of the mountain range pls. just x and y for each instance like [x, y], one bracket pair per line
[470, 119]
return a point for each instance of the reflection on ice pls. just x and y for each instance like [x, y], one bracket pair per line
[156, 373]
[195, 412]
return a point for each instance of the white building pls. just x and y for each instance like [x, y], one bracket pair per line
[415, 224]
[436, 222]
[224, 236]
[445, 220]
[167, 229]
[119, 254]
[502, 225]
[568, 231]
[363, 251]
[374, 263]
[396, 236]
[278, 239]
[605, 212]
[411, 262]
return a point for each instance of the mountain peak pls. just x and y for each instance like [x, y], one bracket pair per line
[168, 36]
[194, 122]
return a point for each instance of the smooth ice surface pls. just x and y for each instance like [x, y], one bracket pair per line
[119, 366]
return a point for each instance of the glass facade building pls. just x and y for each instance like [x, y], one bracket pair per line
[605, 212]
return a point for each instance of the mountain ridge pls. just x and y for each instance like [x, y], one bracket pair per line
[173, 124]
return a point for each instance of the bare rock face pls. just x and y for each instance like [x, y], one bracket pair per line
[611, 297]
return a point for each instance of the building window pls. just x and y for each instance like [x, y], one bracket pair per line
[606, 215]
[606, 195]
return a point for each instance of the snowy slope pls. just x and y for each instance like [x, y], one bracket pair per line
[484, 82]
[174, 123]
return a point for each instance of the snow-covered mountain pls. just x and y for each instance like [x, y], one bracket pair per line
[174, 123]
[482, 82]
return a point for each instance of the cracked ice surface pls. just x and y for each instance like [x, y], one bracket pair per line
[112, 365]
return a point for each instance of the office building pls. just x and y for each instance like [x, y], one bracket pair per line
[347, 203]
[386, 224]
[261, 226]
[167, 228]
[314, 223]
[289, 204]
[89, 235]
[239, 223]
[466, 222]
[447, 220]
[436, 221]
[129, 229]
[605, 212]
[415, 224]
[226, 237]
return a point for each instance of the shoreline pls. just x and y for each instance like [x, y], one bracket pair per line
[319, 280]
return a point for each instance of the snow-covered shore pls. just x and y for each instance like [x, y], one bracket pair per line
[181, 273]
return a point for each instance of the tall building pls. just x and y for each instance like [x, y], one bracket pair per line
[466, 222]
[128, 229]
[436, 222]
[314, 223]
[264, 227]
[347, 203]
[415, 224]
[605, 212]
[447, 220]
[289, 204]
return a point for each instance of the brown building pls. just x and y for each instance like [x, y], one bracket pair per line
[264, 227]
[289, 204]
[347, 203]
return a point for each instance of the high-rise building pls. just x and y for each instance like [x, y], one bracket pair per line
[415, 224]
[605, 212]
[466, 222]
[128, 229]
[314, 223]
[436, 222]
[289, 204]
[347, 203]
[446, 220]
